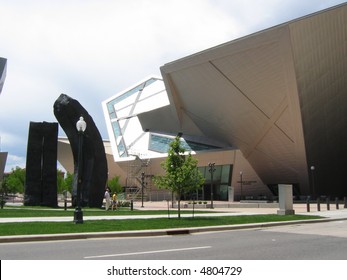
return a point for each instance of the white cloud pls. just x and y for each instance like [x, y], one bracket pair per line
[91, 49]
[13, 162]
[9, 139]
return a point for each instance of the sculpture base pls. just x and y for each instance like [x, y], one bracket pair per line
[78, 216]
[286, 212]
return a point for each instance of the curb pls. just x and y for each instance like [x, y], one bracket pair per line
[159, 232]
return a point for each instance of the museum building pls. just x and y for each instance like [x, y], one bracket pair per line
[269, 108]
[3, 155]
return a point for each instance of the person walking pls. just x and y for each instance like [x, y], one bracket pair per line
[107, 199]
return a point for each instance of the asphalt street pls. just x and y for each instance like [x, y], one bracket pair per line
[318, 241]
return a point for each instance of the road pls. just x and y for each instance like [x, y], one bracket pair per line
[318, 241]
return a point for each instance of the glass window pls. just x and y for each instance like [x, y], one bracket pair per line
[161, 144]
[225, 176]
[221, 181]
[116, 129]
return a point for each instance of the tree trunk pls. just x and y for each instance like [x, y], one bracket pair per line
[179, 205]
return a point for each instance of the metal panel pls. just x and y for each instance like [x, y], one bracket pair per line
[3, 66]
[320, 51]
[278, 95]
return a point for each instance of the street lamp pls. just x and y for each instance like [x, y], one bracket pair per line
[312, 177]
[142, 186]
[241, 173]
[211, 170]
[81, 126]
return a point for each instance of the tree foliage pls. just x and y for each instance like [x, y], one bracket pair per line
[115, 185]
[181, 172]
[15, 181]
[65, 183]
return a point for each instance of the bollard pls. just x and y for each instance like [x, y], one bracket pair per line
[308, 204]
[328, 203]
[131, 205]
[337, 203]
[168, 209]
[193, 208]
[318, 204]
[65, 199]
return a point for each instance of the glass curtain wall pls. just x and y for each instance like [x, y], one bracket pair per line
[220, 183]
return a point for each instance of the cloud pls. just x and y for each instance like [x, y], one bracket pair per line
[13, 162]
[93, 49]
[10, 139]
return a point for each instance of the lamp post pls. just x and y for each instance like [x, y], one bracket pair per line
[211, 170]
[241, 173]
[142, 186]
[312, 177]
[81, 127]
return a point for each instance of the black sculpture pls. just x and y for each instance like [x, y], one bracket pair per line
[94, 175]
[41, 165]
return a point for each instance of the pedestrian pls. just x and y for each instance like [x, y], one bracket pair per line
[114, 201]
[107, 199]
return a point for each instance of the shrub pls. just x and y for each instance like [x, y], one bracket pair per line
[123, 203]
[2, 201]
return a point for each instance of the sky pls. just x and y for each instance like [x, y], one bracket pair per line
[93, 49]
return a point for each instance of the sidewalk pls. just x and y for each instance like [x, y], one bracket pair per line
[234, 209]
[300, 209]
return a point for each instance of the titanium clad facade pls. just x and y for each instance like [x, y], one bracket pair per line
[3, 158]
[3, 66]
[319, 45]
[3, 155]
[278, 95]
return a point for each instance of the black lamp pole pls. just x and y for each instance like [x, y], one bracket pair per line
[142, 186]
[81, 127]
[241, 173]
[312, 178]
[211, 170]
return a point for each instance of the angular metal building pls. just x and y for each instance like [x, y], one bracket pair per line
[3, 67]
[3, 155]
[279, 95]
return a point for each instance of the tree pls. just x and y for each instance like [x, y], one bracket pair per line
[68, 182]
[15, 180]
[3, 193]
[115, 185]
[64, 183]
[181, 172]
[61, 186]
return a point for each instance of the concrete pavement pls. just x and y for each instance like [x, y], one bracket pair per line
[232, 209]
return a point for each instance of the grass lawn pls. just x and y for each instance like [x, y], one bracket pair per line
[16, 212]
[137, 224]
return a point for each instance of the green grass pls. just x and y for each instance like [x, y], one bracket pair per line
[17, 212]
[27, 228]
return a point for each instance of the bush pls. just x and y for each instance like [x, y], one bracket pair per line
[123, 203]
[2, 201]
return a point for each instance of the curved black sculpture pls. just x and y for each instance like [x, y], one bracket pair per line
[94, 175]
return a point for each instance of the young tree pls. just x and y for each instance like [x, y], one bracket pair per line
[181, 172]
[60, 181]
[115, 185]
[3, 193]
[15, 180]
[68, 182]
